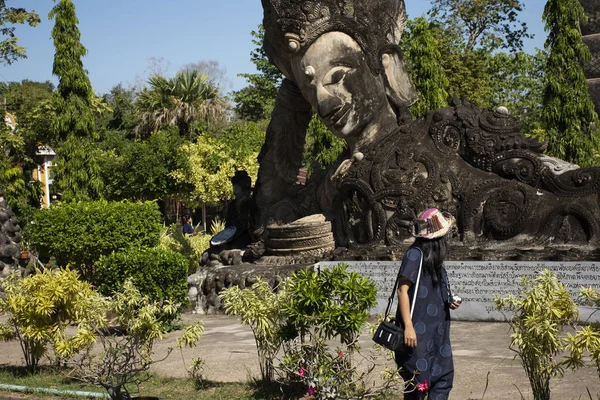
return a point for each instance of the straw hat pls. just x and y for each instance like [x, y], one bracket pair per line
[432, 223]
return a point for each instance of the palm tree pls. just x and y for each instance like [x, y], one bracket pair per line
[180, 101]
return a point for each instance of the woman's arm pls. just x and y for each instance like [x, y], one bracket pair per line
[410, 336]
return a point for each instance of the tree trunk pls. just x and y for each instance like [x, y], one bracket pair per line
[204, 216]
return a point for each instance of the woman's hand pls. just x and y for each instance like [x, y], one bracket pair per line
[410, 336]
[454, 306]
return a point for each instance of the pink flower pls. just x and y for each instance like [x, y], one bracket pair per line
[302, 371]
[341, 354]
[422, 387]
[311, 391]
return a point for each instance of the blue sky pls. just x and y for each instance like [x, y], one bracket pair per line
[123, 35]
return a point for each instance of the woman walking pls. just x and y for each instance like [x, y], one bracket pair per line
[428, 360]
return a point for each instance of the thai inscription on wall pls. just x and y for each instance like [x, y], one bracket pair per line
[478, 282]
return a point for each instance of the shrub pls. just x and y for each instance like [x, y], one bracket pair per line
[77, 234]
[260, 308]
[41, 306]
[320, 306]
[586, 338]
[538, 317]
[158, 274]
[125, 358]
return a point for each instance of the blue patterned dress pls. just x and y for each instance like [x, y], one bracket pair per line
[432, 358]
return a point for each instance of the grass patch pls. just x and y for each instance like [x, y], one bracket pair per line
[166, 388]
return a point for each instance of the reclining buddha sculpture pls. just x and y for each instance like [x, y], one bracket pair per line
[341, 59]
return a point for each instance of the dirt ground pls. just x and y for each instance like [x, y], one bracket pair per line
[481, 358]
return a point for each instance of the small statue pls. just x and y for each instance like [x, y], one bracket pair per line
[239, 210]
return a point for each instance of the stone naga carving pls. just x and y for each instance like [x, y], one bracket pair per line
[10, 237]
[341, 58]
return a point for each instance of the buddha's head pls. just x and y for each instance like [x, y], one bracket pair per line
[343, 55]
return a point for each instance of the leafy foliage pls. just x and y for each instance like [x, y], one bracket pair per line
[322, 146]
[537, 319]
[260, 308]
[40, 307]
[159, 274]
[72, 126]
[10, 51]
[257, 100]
[426, 70]
[78, 173]
[210, 166]
[141, 169]
[181, 101]
[73, 97]
[329, 303]
[568, 112]
[489, 24]
[586, 338]
[123, 115]
[78, 234]
[126, 358]
[320, 306]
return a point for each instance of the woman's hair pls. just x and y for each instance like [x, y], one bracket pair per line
[434, 252]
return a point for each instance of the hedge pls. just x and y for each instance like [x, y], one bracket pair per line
[157, 273]
[77, 234]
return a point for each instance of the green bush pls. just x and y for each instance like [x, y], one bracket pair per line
[158, 274]
[78, 234]
[40, 307]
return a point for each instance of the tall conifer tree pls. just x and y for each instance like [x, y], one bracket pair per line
[422, 54]
[568, 113]
[73, 126]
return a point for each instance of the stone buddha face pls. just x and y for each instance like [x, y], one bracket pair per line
[334, 77]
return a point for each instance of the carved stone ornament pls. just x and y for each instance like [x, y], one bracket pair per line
[10, 237]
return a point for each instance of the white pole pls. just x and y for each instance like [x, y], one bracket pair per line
[47, 193]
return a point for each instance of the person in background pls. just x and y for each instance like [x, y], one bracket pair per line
[428, 361]
[188, 228]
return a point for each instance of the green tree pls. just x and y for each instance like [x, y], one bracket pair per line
[257, 100]
[209, 166]
[181, 101]
[141, 169]
[519, 86]
[123, 115]
[489, 24]
[10, 51]
[72, 127]
[426, 70]
[568, 112]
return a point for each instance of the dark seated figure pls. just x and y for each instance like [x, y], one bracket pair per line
[239, 211]
[227, 246]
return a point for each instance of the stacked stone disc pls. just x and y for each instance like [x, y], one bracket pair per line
[10, 237]
[307, 236]
[591, 37]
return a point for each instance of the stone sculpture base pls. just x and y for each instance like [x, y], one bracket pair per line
[504, 265]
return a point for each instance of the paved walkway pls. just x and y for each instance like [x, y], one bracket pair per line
[480, 352]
